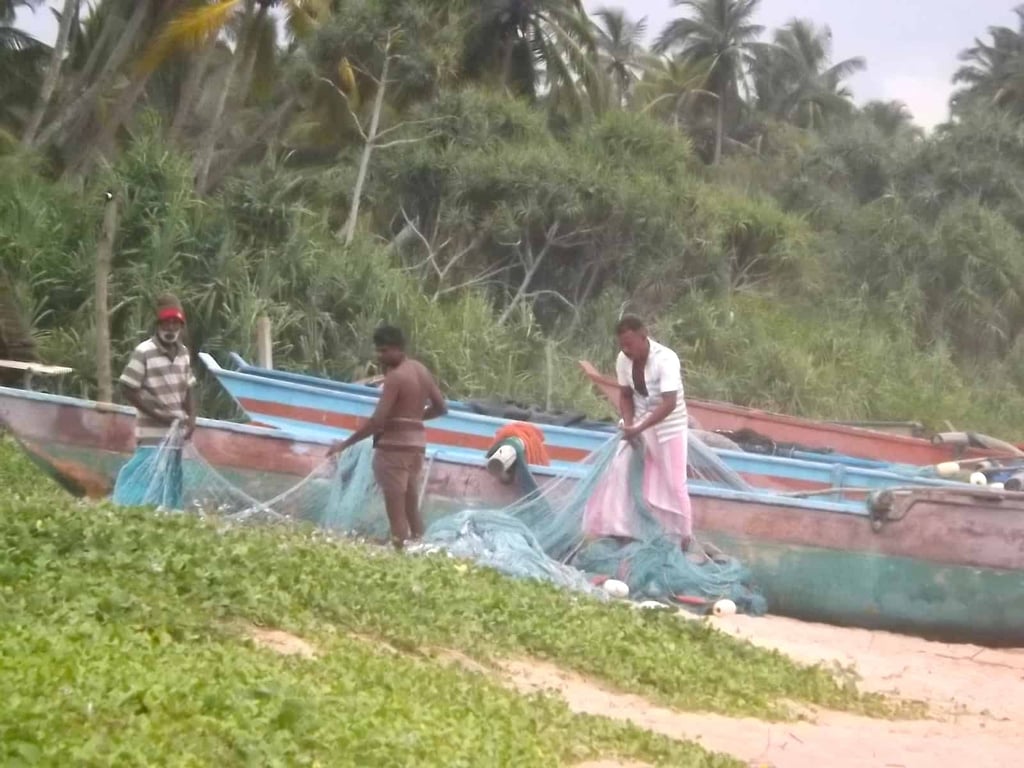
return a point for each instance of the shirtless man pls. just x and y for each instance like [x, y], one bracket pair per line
[409, 397]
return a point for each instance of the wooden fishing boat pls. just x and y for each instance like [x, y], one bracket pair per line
[305, 406]
[485, 407]
[496, 408]
[844, 439]
[869, 446]
[946, 563]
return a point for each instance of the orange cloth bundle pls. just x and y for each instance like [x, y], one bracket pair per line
[533, 440]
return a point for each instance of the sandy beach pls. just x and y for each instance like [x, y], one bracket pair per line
[975, 698]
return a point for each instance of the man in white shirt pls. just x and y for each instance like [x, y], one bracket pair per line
[654, 419]
[650, 379]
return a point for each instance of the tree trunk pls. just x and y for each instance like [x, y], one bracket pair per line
[208, 147]
[124, 47]
[349, 230]
[273, 121]
[719, 127]
[104, 256]
[86, 74]
[104, 140]
[528, 277]
[60, 46]
[585, 297]
[103, 143]
[249, 62]
[506, 63]
[191, 89]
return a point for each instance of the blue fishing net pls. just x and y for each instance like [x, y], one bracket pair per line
[540, 536]
[653, 565]
[152, 477]
[503, 542]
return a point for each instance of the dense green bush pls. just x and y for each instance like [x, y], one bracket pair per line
[126, 637]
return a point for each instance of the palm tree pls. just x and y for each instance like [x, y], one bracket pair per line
[620, 50]
[22, 59]
[199, 27]
[133, 83]
[993, 73]
[130, 22]
[12, 38]
[891, 118]
[68, 18]
[719, 33]
[509, 37]
[671, 87]
[795, 80]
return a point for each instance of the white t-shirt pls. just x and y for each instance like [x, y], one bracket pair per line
[663, 373]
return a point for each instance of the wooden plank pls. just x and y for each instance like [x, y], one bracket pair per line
[264, 343]
[36, 368]
[104, 256]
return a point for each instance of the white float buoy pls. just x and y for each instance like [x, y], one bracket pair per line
[502, 462]
[724, 607]
[977, 478]
[947, 468]
[616, 588]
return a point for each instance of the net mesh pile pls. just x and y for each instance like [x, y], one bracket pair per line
[539, 536]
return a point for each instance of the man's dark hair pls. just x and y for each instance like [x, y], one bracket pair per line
[388, 336]
[629, 323]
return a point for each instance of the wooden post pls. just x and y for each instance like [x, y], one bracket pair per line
[264, 345]
[549, 360]
[104, 256]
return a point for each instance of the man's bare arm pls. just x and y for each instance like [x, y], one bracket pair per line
[381, 414]
[437, 405]
[191, 411]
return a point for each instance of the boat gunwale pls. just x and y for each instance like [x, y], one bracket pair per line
[767, 462]
[699, 488]
[477, 418]
[833, 461]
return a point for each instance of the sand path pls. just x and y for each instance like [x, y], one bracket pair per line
[976, 698]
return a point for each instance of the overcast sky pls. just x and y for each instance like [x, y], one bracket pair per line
[910, 45]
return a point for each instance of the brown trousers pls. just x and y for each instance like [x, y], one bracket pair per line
[399, 473]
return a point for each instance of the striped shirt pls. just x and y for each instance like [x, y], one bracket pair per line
[662, 373]
[163, 383]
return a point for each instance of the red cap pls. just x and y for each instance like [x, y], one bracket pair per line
[171, 313]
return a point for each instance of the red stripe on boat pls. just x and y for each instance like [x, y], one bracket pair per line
[350, 422]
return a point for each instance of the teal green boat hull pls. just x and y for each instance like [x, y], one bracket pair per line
[954, 603]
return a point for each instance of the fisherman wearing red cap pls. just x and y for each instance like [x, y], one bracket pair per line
[159, 383]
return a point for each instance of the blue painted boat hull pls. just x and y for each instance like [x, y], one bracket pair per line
[333, 413]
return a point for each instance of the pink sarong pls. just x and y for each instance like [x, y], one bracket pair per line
[610, 511]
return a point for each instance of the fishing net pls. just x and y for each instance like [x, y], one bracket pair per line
[652, 563]
[174, 476]
[540, 535]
